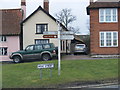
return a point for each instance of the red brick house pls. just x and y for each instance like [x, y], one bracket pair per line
[104, 27]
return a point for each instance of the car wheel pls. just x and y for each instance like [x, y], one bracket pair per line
[75, 53]
[46, 57]
[17, 59]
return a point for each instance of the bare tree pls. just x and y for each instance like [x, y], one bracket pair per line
[76, 30]
[88, 24]
[65, 17]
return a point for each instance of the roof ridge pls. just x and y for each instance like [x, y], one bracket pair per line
[10, 9]
[107, 1]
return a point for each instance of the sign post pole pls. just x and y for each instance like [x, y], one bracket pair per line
[41, 73]
[50, 72]
[59, 48]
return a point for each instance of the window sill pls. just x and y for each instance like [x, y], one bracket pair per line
[107, 22]
[108, 46]
[3, 55]
[3, 41]
[38, 33]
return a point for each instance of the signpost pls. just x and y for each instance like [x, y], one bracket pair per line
[42, 66]
[60, 35]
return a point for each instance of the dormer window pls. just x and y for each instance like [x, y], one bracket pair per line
[108, 15]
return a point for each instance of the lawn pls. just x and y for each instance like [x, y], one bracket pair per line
[26, 75]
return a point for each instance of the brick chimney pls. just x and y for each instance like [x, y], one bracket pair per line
[46, 5]
[23, 7]
[91, 1]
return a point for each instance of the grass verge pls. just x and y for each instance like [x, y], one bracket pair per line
[26, 75]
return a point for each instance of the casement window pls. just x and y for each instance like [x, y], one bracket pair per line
[3, 51]
[41, 41]
[108, 15]
[2, 38]
[109, 39]
[40, 28]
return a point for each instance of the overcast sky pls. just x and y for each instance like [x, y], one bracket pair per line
[78, 8]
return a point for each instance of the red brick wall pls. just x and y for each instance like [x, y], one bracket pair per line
[119, 31]
[95, 28]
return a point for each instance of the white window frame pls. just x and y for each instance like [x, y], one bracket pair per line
[105, 43]
[104, 15]
[40, 28]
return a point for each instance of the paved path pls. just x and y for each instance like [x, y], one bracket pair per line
[107, 85]
[80, 57]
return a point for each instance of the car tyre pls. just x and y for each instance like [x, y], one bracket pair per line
[16, 59]
[75, 53]
[46, 57]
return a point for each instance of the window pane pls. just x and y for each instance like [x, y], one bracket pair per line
[3, 51]
[40, 28]
[108, 39]
[115, 42]
[38, 47]
[114, 14]
[102, 42]
[0, 51]
[2, 38]
[102, 39]
[108, 14]
[41, 41]
[115, 39]
[46, 46]
[29, 48]
[101, 14]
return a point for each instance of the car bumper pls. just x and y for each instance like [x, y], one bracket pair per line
[79, 51]
[10, 57]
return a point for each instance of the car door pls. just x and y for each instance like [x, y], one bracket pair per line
[29, 52]
[38, 50]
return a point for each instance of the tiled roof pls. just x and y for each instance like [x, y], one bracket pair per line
[107, 0]
[104, 4]
[11, 19]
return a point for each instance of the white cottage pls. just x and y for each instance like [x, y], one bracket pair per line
[38, 22]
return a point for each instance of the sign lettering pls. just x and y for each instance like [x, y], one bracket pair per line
[41, 66]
